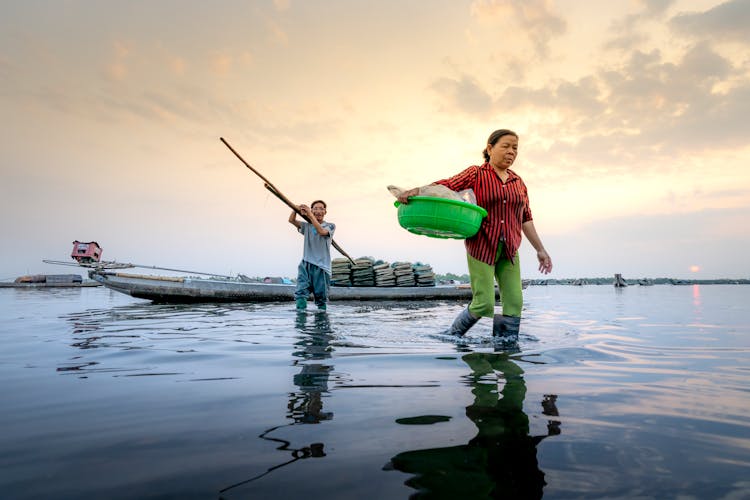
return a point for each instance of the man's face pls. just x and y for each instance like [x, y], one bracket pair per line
[319, 211]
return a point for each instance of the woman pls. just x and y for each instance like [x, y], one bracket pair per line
[492, 253]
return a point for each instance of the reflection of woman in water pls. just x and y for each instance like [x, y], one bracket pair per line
[500, 461]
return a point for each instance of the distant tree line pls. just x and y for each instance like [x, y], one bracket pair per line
[464, 278]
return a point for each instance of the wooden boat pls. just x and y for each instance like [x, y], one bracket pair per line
[168, 289]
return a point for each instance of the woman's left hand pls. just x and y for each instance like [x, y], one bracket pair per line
[545, 261]
[404, 196]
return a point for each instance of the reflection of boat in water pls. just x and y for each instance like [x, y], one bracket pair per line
[500, 461]
[184, 289]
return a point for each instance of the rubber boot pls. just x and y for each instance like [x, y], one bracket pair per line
[506, 326]
[322, 307]
[462, 323]
[301, 304]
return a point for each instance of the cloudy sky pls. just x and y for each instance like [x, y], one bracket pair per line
[632, 116]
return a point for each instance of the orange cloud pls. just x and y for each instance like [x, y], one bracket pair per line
[222, 64]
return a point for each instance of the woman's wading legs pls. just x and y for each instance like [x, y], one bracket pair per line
[482, 278]
[462, 323]
[508, 277]
[483, 297]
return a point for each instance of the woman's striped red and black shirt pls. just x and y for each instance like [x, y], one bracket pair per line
[507, 205]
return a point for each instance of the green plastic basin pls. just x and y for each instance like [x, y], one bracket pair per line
[440, 217]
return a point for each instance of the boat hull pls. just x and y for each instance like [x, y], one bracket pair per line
[165, 289]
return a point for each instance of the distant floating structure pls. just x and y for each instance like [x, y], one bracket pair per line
[646, 282]
[620, 281]
[49, 281]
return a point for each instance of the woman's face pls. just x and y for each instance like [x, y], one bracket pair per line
[504, 152]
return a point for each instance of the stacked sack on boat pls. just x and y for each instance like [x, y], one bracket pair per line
[404, 274]
[363, 273]
[367, 271]
[384, 275]
[341, 272]
[423, 274]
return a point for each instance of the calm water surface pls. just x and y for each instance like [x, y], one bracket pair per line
[641, 392]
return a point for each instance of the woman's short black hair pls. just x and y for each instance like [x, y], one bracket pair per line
[494, 137]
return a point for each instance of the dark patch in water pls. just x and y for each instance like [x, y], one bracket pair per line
[423, 420]
[397, 386]
[212, 379]
[150, 374]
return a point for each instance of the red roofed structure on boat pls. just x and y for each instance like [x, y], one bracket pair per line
[86, 252]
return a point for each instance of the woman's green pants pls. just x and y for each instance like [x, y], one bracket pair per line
[483, 276]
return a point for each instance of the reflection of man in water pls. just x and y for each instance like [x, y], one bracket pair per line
[500, 461]
[306, 405]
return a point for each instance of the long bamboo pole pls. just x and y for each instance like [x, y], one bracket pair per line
[269, 185]
[125, 265]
